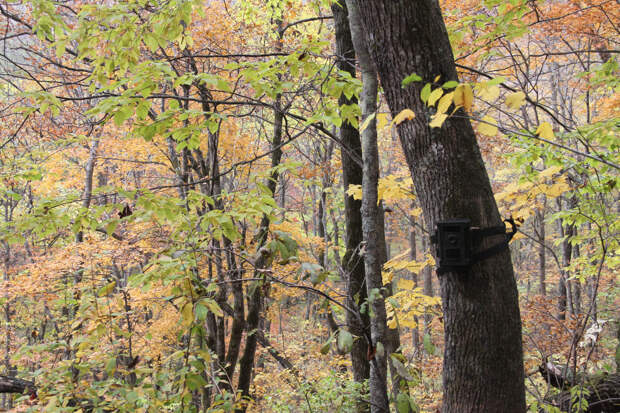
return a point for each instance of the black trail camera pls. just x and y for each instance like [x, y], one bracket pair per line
[453, 243]
[457, 243]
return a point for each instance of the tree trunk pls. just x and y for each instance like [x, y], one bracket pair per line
[540, 220]
[567, 251]
[374, 244]
[415, 334]
[427, 273]
[255, 300]
[352, 261]
[481, 314]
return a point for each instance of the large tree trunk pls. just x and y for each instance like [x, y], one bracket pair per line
[483, 365]
[351, 155]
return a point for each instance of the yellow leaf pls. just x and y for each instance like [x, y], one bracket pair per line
[488, 126]
[187, 314]
[409, 323]
[434, 96]
[437, 79]
[415, 212]
[355, 191]
[214, 307]
[367, 121]
[515, 100]
[387, 277]
[557, 189]
[488, 92]
[404, 284]
[438, 119]
[382, 121]
[430, 260]
[550, 171]
[445, 102]
[404, 115]
[545, 131]
[464, 96]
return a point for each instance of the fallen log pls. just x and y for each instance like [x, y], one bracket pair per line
[14, 385]
[600, 391]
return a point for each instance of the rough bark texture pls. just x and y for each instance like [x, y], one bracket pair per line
[15, 385]
[352, 262]
[374, 244]
[428, 288]
[542, 249]
[483, 366]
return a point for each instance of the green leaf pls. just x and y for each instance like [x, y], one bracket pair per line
[401, 369]
[345, 341]
[214, 307]
[426, 91]
[111, 226]
[201, 311]
[122, 115]
[106, 289]
[410, 79]
[404, 404]
[318, 278]
[110, 366]
[325, 347]
[195, 381]
[61, 45]
[429, 347]
[450, 84]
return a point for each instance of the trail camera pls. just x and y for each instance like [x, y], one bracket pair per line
[457, 243]
[453, 241]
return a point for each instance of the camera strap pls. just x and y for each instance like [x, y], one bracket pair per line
[474, 239]
[478, 234]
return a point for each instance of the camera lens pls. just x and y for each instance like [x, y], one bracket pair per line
[453, 239]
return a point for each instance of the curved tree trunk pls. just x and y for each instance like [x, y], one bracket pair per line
[483, 365]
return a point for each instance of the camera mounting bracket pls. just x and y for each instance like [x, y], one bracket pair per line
[457, 243]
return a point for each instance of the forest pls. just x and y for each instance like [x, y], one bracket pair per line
[317, 206]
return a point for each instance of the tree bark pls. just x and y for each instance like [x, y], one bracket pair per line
[540, 220]
[482, 323]
[428, 288]
[255, 300]
[15, 385]
[563, 296]
[374, 244]
[351, 155]
[415, 333]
